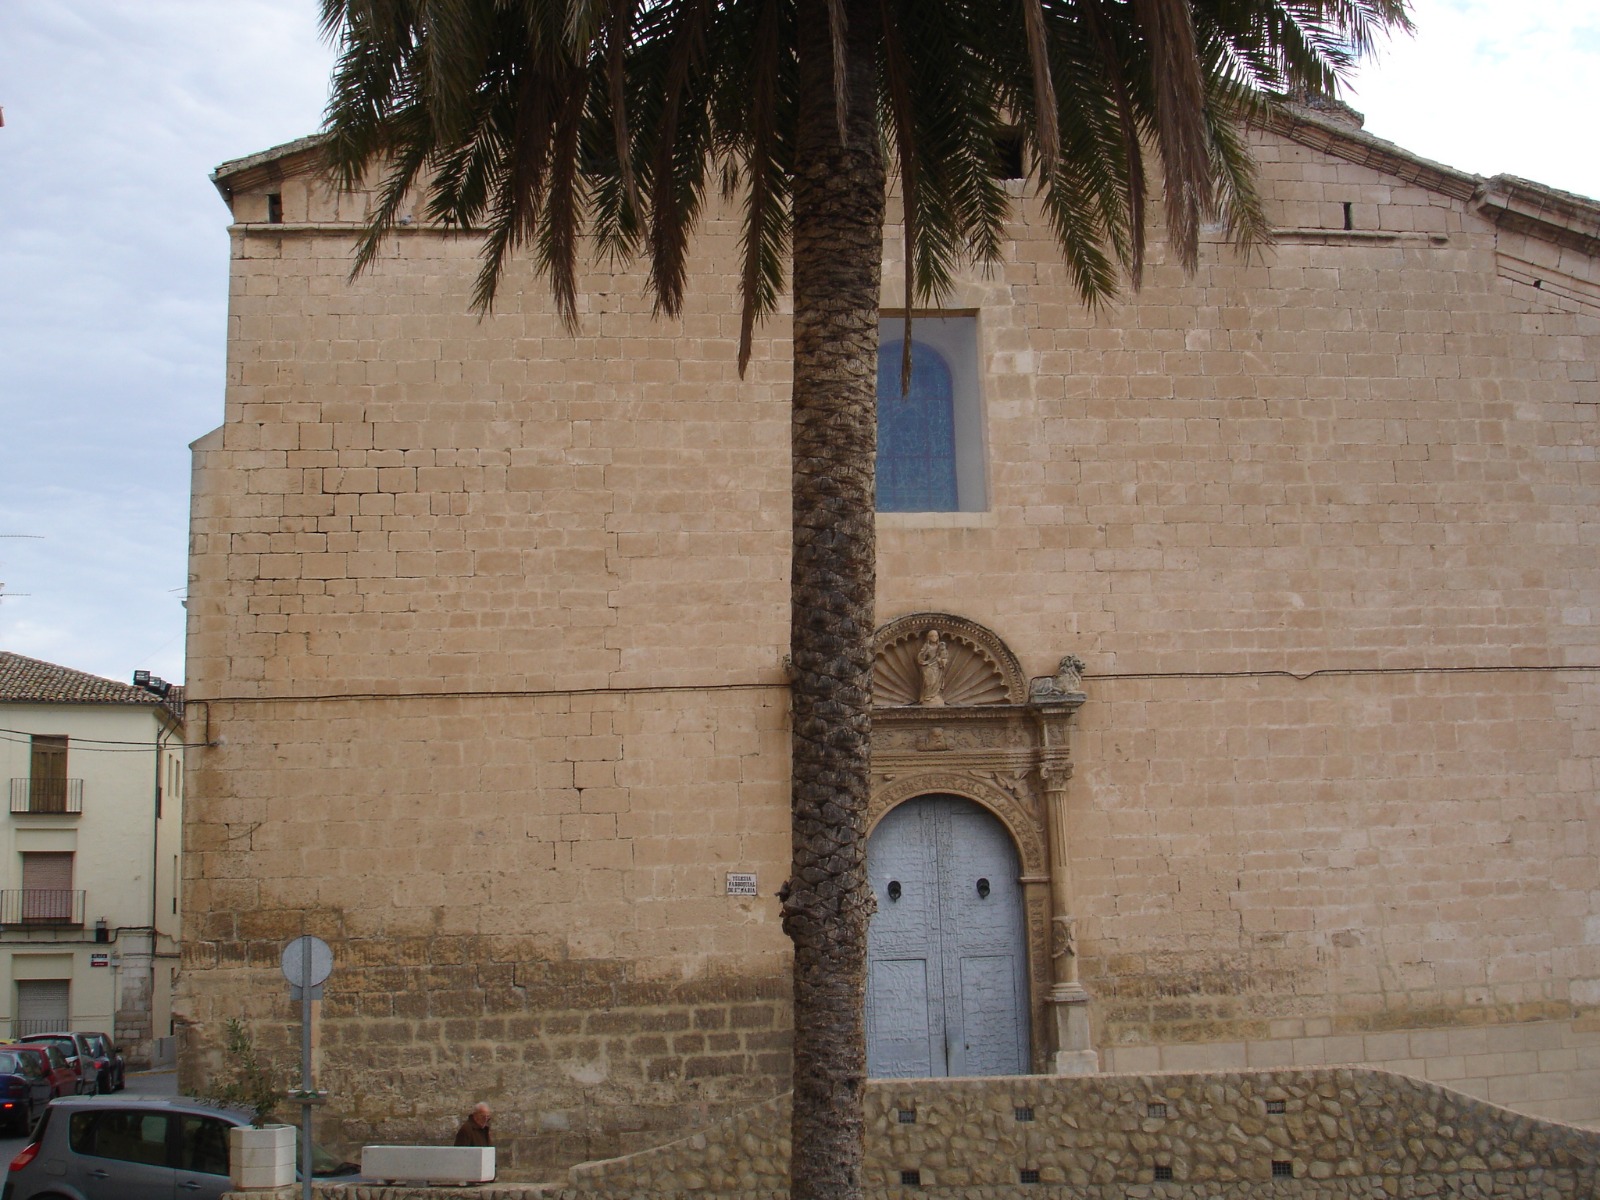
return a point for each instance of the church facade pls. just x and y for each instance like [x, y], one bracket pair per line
[1236, 686]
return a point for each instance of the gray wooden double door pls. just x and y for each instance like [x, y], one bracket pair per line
[946, 965]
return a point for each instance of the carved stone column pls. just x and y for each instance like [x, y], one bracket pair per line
[1054, 701]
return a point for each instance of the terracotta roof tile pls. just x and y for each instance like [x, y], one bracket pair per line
[30, 681]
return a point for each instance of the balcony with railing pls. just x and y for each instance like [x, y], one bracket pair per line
[21, 1028]
[23, 908]
[59, 796]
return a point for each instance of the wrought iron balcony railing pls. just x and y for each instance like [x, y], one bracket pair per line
[41, 906]
[21, 1028]
[47, 796]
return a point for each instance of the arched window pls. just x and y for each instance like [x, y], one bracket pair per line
[916, 432]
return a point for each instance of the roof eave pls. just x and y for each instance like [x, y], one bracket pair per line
[1310, 129]
[268, 166]
[1532, 208]
[1547, 213]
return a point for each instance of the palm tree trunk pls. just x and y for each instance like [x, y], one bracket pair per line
[838, 248]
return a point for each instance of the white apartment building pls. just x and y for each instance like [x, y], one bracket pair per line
[89, 858]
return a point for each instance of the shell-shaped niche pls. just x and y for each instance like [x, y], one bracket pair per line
[961, 664]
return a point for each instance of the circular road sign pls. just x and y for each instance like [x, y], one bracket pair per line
[296, 958]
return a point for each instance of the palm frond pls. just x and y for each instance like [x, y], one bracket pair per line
[766, 88]
[899, 107]
[1044, 92]
[543, 122]
[680, 140]
[1179, 120]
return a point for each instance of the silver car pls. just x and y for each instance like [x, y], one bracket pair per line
[134, 1148]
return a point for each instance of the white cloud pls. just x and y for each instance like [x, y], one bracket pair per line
[1493, 87]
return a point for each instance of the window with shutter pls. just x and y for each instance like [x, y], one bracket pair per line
[47, 775]
[41, 1006]
[47, 887]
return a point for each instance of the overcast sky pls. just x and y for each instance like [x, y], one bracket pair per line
[114, 256]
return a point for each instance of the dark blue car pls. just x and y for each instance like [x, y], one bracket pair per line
[24, 1089]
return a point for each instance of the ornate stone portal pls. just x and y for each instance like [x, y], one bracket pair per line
[953, 714]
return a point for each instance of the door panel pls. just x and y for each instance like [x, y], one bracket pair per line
[202, 1172]
[905, 973]
[983, 917]
[946, 879]
[989, 1017]
[897, 1019]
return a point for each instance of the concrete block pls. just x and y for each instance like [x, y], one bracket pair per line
[260, 1159]
[428, 1164]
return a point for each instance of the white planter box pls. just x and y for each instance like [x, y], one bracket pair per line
[428, 1164]
[261, 1158]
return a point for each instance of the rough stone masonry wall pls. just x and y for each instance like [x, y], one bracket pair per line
[1315, 1135]
[509, 928]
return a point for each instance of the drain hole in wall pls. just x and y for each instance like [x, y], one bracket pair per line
[910, 1178]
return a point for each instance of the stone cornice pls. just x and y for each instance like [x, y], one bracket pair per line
[1341, 140]
[298, 157]
[1563, 218]
[1542, 212]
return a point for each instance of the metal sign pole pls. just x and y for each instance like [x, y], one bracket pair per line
[307, 961]
[305, 1068]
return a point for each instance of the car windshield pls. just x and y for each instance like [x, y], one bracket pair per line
[9, 1064]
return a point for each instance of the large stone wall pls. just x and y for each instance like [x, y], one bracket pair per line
[487, 621]
[545, 927]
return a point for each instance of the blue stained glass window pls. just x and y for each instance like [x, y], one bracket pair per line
[916, 432]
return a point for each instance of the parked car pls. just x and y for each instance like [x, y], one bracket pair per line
[24, 1088]
[79, 1053]
[115, 1076]
[128, 1147]
[63, 1076]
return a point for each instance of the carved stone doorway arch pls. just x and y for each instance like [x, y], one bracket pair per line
[953, 714]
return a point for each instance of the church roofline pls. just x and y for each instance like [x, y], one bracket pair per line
[267, 166]
[1569, 220]
[1564, 218]
[1335, 136]
[1536, 209]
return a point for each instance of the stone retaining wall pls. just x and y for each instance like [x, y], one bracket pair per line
[1336, 1133]
[1268, 1135]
